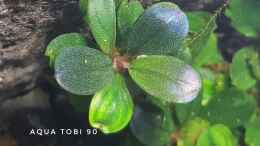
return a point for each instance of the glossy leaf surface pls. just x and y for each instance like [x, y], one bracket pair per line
[111, 108]
[83, 70]
[69, 40]
[160, 30]
[165, 77]
[102, 22]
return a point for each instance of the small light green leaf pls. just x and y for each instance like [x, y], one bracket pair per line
[69, 40]
[202, 26]
[160, 30]
[244, 16]
[111, 109]
[165, 77]
[191, 131]
[208, 54]
[232, 108]
[240, 69]
[102, 22]
[83, 70]
[217, 135]
[253, 133]
[152, 128]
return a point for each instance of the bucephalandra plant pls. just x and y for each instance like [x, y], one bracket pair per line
[159, 71]
[146, 45]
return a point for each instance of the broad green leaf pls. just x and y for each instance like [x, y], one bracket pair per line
[244, 16]
[111, 109]
[127, 14]
[191, 131]
[202, 26]
[217, 135]
[240, 69]
[152, 128]
[232, 108]
[209, 54]
[253, 133]
[69, 40]
[83, 70]
[102, 22]
[165, 77]
[160, 30]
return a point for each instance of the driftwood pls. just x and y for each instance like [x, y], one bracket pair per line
[25, 28]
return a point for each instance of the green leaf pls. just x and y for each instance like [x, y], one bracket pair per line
[69, 40]
[244, 16]
[240, 69]
[217, 135]
[127, 14]
[83, 70]
[111, 109]
[202, 26]
[208, 54]
[102, 22]
[232, 108]
[165, 77]
[191, 131]
[152, 128]
[160, 30]
[253, 133]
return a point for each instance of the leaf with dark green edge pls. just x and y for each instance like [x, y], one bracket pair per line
[102, 22]
[232, 107]
[127, 14]
[69, 40]
[83, 70]
[111, 108]
[253, 133]
[203, 24]
[217, 135]
[152, 128]
[240, 72]
[191, 131]
[244, 16]
[208, 54]
[160, 30]
[166, 77]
